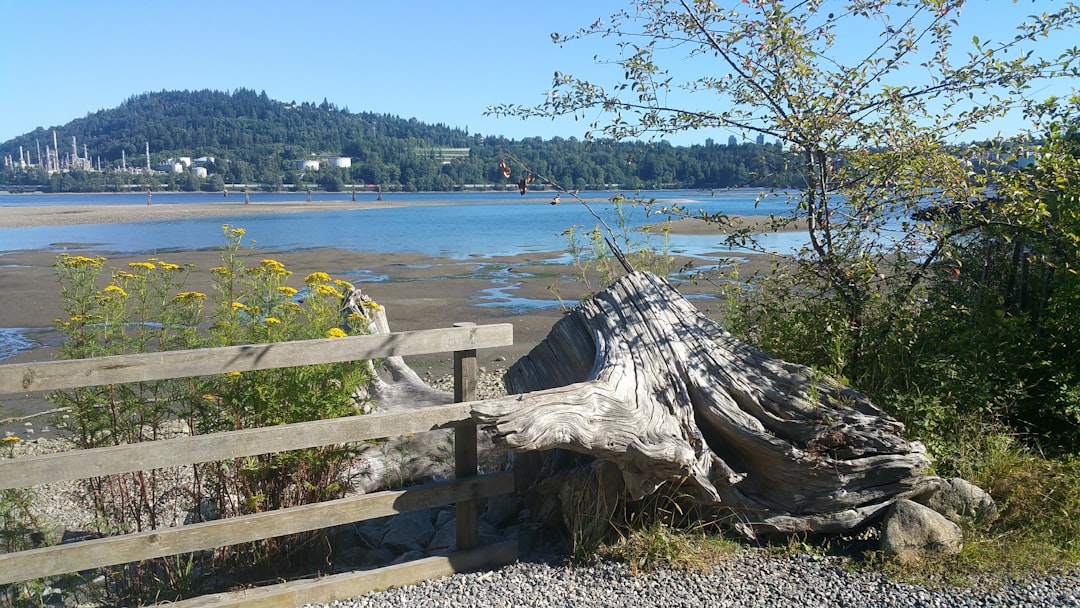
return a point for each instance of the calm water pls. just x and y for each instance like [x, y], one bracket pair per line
[507, 225]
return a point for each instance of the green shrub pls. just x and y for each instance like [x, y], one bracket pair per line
[143, 308]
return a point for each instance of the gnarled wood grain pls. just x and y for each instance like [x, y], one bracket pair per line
[639, 377]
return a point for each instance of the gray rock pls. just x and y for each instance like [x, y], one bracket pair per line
[502, 510]
[961, 501]
[409, 531]
[914, 532]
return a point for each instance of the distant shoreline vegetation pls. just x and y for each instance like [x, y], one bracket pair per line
[211, 141]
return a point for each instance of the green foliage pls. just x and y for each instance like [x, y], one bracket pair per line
[144, 308]
[254, 138]
[939, 279]
[595, 263]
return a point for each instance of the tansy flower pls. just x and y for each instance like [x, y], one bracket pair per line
[272, 320]
[143, 265]
[223, 271]
[336, 332]
[234, 374]
[168, 266]
[328, 290]
[238, 306]
[185, 296]
[71, 261]
[115, 290]
[11, 439]
[344, 284]
[275, 267]
[372, 305]
[123, 274]
[287, 291]
[317, 277]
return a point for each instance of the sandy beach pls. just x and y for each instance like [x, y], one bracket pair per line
[405, 287]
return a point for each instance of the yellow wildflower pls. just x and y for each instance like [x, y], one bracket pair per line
[74, 261]
[272, 320]
[186, 296]
[256, 270]
[372, 305]
[287, 291]
[115, 290]
[142, 265]
[344, 284]
[275, 267]
[11, 439]
[168, 266]
[238, 306]
[236, 231]
[234, 374]
[223, 271]
[123, 274]
[336, 332]
[328, 290]
[317, 277]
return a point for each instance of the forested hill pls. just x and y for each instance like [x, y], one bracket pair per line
[254, 139]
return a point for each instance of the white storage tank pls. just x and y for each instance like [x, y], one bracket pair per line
[307, 165]
[200, 172]
[343, 162]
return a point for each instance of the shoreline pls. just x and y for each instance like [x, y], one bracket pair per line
[529, 291]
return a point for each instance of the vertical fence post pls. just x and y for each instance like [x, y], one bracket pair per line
[466, 376]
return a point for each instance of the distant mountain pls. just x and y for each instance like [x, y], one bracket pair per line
[254, 139]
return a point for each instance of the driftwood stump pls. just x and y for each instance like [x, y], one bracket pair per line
[639, 378]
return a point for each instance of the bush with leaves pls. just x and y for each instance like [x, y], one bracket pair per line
[144, 308]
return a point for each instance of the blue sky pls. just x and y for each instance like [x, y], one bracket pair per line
[436, 61]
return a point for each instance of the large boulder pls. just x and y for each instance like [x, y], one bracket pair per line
[914, 532]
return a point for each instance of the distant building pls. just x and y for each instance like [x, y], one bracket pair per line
[761, 139]
[200, 172]
[732, 141]
[307, 165]
[343, 162]
[709, 142]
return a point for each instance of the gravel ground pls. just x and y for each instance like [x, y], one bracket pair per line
[748, 579]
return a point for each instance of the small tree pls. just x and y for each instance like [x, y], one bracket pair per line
[869, 120]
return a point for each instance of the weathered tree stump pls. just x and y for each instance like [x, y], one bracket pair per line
[638, 377]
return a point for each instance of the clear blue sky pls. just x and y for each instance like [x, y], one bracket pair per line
[436, 61]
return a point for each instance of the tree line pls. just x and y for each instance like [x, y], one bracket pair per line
[254, 139]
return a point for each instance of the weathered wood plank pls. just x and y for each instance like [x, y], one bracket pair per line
[351, 584]
[56, 375]
[80, 464]
[466, 378]
[50, 561]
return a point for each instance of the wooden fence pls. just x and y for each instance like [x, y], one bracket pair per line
[464, 491]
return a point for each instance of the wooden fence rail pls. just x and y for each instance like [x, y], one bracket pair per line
[464, 491]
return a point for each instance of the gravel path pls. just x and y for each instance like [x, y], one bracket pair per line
[748, 579]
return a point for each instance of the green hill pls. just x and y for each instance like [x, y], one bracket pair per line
[254, 139]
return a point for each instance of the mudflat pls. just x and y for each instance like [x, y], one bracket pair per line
[417, 291]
